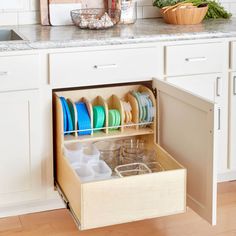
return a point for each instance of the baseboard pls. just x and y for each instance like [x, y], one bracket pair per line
[229, 175]
[33, 207]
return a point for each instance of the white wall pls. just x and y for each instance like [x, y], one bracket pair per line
[14, 12]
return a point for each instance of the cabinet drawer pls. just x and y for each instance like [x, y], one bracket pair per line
[209, 86]
[19, 72]
[185, 127]
[121, 200]
[194, 59]
[103, 67]
[233, 63]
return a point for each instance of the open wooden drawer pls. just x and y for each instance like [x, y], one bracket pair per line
[184, 126]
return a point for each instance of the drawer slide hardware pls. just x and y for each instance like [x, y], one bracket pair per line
[62, 195]
[76, 220]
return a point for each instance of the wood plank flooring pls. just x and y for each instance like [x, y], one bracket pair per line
[60, 223]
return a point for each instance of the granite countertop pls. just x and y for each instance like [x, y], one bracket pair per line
[145, 30]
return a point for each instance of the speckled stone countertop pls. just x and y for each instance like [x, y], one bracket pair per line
[143, 31]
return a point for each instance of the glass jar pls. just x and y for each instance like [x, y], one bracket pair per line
[109, 152]
[128, 12]
[132, 151]
[150, 159]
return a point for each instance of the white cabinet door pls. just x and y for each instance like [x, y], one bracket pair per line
[187, 129]
[215, 88]
[232, 122]
[20, 169]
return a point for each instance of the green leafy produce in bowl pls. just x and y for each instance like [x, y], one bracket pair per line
[215, 9]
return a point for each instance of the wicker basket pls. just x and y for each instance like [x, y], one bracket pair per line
[184, 16]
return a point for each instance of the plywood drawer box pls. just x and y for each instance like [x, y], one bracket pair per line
[233, 56]
[194, 59]
[119, 200]
[19, 72]
[103, 66]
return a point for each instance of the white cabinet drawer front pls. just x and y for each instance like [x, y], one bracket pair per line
[120, 200]
[103, 67]
[19, 72]
[131, 199]
[233, 63]
[207, 86]
[194, 59]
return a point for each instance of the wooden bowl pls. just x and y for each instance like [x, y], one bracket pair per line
[184, 16]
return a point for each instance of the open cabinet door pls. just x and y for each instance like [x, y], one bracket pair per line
[187, 130]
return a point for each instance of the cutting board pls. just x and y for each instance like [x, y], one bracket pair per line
[59, 10]
[44, 12]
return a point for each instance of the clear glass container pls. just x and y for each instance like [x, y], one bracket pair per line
[150, 159]
[132, 151]
[132, 169]
[128, 12]
[109, 152]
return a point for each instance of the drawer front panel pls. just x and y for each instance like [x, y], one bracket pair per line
[233, 64]
[103, 67]
[19, 72]
[209, 86]
[120, 200]
[194, 59]
[131, 199]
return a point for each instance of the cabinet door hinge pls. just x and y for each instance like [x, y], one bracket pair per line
[154, 90]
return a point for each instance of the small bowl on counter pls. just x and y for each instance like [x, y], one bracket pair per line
[95, 18]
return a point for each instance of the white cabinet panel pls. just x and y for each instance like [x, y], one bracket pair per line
[194, 59]
[20, 169]
[104, 67]
[233, 56]
[232, 122]
[19, 72]
[208, 86]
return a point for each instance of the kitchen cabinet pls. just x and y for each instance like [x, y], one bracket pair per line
[232, 123]
[184, 134]
[20, 169]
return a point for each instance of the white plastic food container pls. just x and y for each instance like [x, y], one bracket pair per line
[84, 172]
[101, 169]
[90, 153]
[74, 152]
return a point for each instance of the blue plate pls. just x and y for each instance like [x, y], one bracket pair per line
[69, 119]
[84, 121]
[65, 122]
[72, 111]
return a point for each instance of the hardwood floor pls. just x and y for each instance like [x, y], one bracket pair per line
[60, 223]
